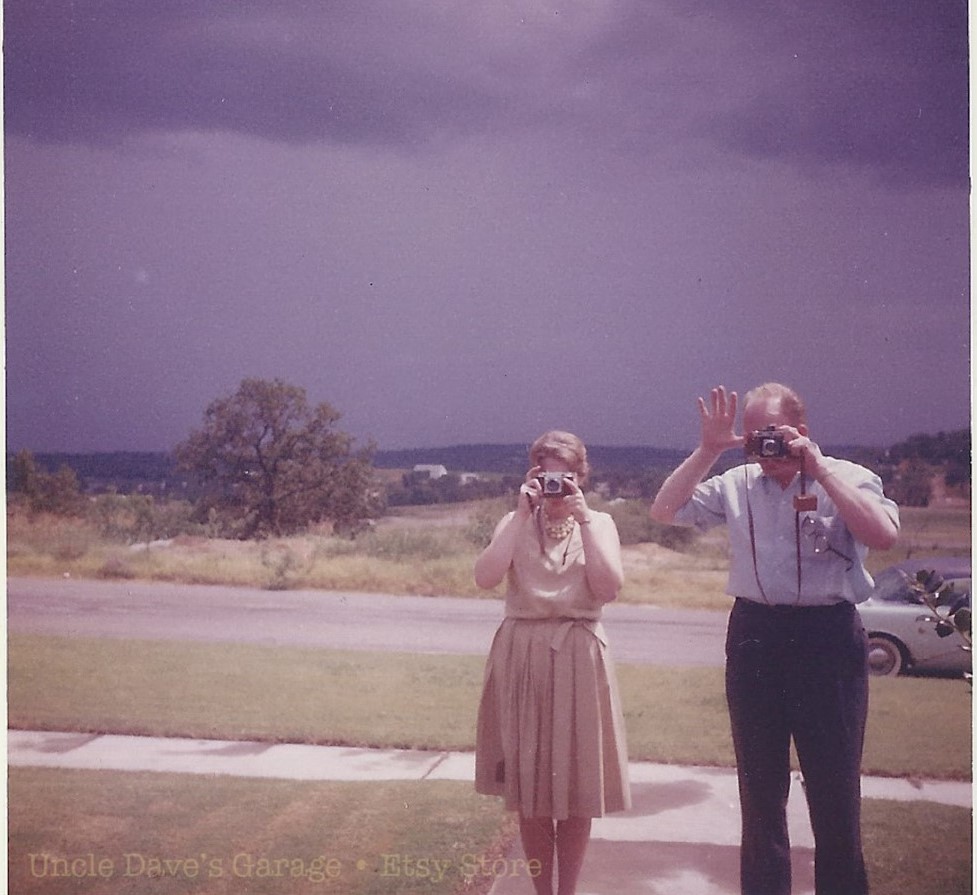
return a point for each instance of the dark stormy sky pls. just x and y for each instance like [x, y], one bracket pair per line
[466, 221]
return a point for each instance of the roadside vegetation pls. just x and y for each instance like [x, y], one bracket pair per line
[412, 550]
[268, 492]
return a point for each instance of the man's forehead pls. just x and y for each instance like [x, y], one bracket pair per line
[766, 407]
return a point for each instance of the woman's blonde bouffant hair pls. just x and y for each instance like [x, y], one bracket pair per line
[562, 446]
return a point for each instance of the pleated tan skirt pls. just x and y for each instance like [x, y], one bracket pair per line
[550, 736]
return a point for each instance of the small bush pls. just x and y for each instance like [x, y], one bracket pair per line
[409, 544]
[139, 518]
[484, 518]
[635, 526]
[62, 538]
[115, 567]
[283, 564]
[70, 545]
[44, 492]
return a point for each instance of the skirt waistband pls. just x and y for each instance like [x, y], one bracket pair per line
[562, 626]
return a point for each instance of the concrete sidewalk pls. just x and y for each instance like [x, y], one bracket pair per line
[680, 838]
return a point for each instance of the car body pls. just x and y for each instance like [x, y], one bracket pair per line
[902, 631]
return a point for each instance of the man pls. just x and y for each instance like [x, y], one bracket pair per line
[800, 525]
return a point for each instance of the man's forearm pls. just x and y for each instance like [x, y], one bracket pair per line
[868, 520]
[678, 487]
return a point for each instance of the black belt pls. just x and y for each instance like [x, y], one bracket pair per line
[746, 602]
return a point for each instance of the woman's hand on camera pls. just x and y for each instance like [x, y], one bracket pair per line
[577, 503]
[530, 491]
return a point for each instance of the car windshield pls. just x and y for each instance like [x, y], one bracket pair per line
[892, 586]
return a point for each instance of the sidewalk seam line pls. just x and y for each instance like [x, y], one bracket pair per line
[441, 759]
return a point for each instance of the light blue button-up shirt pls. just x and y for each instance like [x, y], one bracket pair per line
[827, 576]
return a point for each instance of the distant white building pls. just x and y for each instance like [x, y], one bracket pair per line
[433, 470]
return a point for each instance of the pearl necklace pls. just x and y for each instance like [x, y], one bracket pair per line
[558, 530]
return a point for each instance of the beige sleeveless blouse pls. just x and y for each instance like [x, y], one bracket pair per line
[552, 582]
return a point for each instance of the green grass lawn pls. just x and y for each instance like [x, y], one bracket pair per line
[105, 833]
[114, 833]
[918, 727]
[917, 848]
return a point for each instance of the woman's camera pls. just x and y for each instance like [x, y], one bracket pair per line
[766, 443]
[554, 484]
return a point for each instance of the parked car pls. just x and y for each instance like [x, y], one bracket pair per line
[902, 631]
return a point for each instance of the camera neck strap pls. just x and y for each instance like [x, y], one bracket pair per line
[801, 503]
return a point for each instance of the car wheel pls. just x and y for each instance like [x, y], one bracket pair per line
[885, 656]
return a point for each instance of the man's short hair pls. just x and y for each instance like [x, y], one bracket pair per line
[790, 402]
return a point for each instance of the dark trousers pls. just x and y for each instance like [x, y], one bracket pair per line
[802, 673]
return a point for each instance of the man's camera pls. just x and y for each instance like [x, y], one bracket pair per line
[555, 484]
[766, 443]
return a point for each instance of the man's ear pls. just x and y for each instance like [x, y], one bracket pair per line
[802, 428]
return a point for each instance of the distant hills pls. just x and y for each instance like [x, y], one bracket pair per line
[123, 471]
[128, 471]
[514, 458]
[913, 472]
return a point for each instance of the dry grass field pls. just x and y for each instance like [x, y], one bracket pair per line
[422, 551]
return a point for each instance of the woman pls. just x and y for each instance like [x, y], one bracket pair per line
[550, 726]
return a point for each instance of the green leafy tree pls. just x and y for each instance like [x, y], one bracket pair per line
[24, 474]
[948, 453]
[269, 464]
[912, 484]
[45, 492]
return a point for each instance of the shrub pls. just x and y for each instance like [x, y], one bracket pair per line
[70, 544]
[409, 544]
[635, 526]
[283, 563]
[486, 516]
[139, 518]
[44, 492]
[115, 567]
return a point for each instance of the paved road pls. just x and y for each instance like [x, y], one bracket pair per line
[638, 634]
